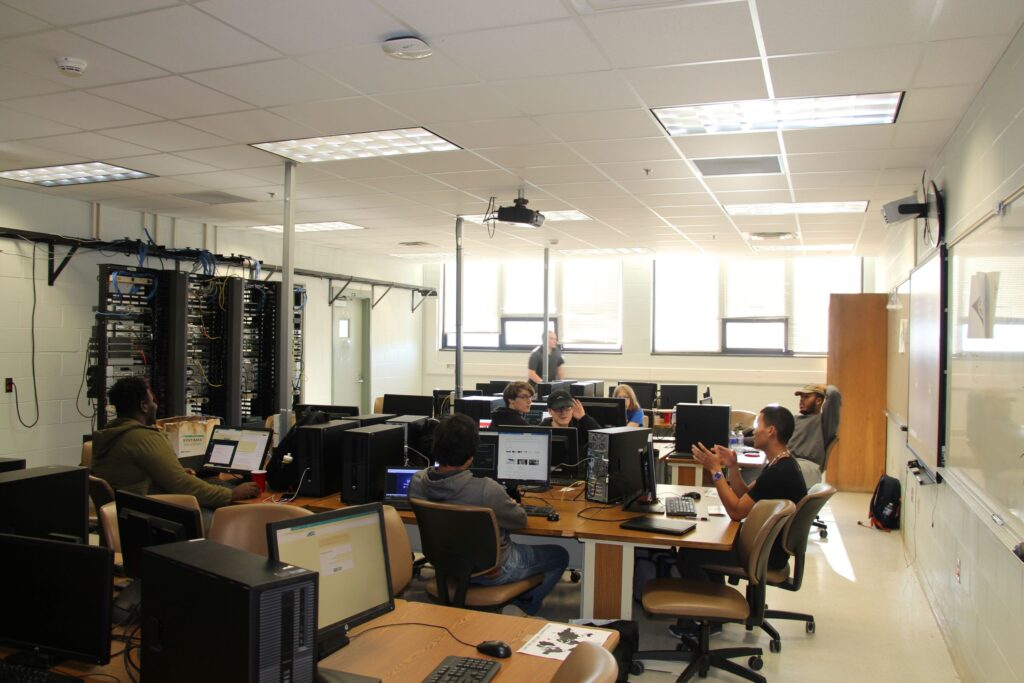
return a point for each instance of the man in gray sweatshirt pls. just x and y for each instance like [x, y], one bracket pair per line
[455, 443]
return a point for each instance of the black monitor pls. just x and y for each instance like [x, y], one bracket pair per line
[524, 458]
[444, 400]
[57, 600]
[143, 521]
[704, 423]
[671, 394]
[46, 502]
[645, 392]
[538, 411]
[609, 412]
[565, 457]
[407, 404]
[485, 461]
[334, 412]
[348, 547]
[237, 451]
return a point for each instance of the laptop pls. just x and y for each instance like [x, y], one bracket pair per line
[660, 525]
[236, 451]
[396, 487]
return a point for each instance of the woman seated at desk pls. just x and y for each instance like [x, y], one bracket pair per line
[634, 413]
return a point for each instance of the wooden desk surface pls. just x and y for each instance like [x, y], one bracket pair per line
[409, 653]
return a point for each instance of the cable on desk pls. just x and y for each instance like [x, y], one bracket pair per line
[415, 623]
[295, 494]
[602, 507]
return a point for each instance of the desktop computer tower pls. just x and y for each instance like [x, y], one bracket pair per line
[211, 612]
[478, 407]
[372, 418]
[319, 454]
[368, 452]
[590, 387]
[545, 389]
[615, 469]
[412, 427]
[46, 502]
[11, 464]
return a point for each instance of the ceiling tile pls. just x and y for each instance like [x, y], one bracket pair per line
[18, 84]
[976, 18]
[929, 104]
[13, 22]
[659, 186]
[15, 125]
[854, 72]
[576, 173]
[15, 155]
[671, 86]
[220, 180]
[732, 145]
[839, 139]
[679, 199]
[156, 37]
[959, 62]
[172, 97]
[407, 183]
[166, 136]
[251, 126]
[367, 69]
[62, 13]
[640, 170]
[274, 173]
[480, 181]
[444, 162]
[599, 91]
[80, 110]
[493, 133]
[602, 125]
[626, 150]
[532, 155]
[350, 115]
[266, 84]
[92, 146]
[748, 182]
[675, 34]
[933, 134]
[162, 164]
[234, 157]
[572, 190]
[836, 161]
[802, 181]
[95, 191]
[456, 103]
[470, 15]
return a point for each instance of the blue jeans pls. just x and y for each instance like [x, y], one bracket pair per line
[523, 561]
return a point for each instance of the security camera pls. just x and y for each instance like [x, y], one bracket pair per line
[904, 209]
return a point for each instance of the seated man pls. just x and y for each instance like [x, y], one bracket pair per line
[134, 456]
[518, 396]
[567, 411]
[780, 478]
[455, 443]
[815, 428]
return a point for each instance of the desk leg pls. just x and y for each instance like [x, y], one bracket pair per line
[607, 580]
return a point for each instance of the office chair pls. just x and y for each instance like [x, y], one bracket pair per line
[587, 663]
[818, 523]
[460, 542]
[100, 493]
[86, 454]
[794, 541]
[400, 558]
[709, 603]
[245, 526]
[742, 420]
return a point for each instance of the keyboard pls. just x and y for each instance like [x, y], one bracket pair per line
[30, 674]
[463, 670]
[678, 506]
[538, 510]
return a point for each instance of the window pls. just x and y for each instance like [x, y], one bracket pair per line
[503, 304]
[774, 306]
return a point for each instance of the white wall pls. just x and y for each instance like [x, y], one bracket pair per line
[980, 614]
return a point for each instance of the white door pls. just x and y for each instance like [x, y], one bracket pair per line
[350, 380]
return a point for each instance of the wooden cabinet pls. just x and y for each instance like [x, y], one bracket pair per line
[857, 354]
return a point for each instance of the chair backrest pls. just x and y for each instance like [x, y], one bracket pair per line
[378, 404]
[794, 536]
[758, 533]
[100, 493]
[460, 541]
[86, 454]
[245, 526]
[743, 419]
[184, 500]
[829, 447]
[399, 550]
[107, 515]
[587, 663]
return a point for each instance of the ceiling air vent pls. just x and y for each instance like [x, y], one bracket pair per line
[213, 197]
[738, 165]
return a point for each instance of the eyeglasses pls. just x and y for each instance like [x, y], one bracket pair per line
[522, 396]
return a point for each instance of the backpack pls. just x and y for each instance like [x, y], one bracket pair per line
[884, 511]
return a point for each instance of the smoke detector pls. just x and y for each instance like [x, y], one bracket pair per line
[407, 47]
[71, 67]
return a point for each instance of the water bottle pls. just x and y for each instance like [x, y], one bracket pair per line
[735, 439]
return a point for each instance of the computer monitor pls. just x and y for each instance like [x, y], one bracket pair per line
[348, 547]
[645, 392]
[703, 423]
[237, 451]
[57, 601]
[51, 501]
[334, 412]
[524, 458]
[407, 404]
[671, 394]
[538, 412]
[609, 412]
[485, 461]
[143, 521]
[564, 462]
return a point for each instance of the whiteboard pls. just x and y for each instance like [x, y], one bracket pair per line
[925, 406]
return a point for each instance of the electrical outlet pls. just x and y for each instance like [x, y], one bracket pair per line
[10, 384]
[958, 570]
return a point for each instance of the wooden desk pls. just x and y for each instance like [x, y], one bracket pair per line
[410, 652]
[676, 461]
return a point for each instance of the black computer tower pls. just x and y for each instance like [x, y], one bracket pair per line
[545, 389]
[412, 427]
[368, 452]
[615, 469]
[46, 502]
[590, 387]
[372, 418]
[211, 612]
[318, 454]
[11, 464]
[478, 407]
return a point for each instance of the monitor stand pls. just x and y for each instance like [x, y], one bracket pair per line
[513, 492]
[646, 504]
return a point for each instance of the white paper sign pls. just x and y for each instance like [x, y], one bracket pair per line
[556, 641]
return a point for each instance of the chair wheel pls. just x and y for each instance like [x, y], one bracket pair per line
[775, 646]
[636, 668]
[755, 663]
[810, 627]
[575, 576]
[823, 533]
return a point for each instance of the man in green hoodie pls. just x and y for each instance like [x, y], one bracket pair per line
[134, 456]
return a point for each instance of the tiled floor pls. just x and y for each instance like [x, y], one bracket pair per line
[873, 622]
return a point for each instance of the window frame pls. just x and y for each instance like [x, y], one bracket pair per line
[502, 337]
[743, 351]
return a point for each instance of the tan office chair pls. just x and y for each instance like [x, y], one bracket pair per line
[378, 404]
[86, 454]
[716, 603]
[399, 550]
[184, 500]
[245, 526]
[108, 523]
[742, 419]
[587, 663]
[460, 542]
[794, 541]
[100, 493]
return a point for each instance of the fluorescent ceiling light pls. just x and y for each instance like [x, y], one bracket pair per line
[73, 174]
[311, 227]
[549, 216]
[606, 251]
[380, 143]
[431, 255]
[760, 236]
[793, 113]
[801, 247]
[798, 208]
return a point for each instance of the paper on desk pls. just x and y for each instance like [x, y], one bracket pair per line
[556, 641]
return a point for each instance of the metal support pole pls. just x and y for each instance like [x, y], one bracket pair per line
[286, 305]
[458, 307]
[545, 352]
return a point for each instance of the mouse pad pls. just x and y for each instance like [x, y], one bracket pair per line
[659, 525]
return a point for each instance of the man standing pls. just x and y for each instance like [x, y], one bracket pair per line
[815, 428]
[134, 456]
[556, 363]
[455, 443]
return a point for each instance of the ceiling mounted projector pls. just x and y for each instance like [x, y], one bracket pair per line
[904, 209]
[519, 214]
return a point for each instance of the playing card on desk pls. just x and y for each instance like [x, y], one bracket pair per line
[556, 641]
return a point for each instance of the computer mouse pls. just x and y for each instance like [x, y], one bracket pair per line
[553, 517]
[692, 494]
[494, 648]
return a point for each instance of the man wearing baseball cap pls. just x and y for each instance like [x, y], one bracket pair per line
[567, 411]
[816, 426]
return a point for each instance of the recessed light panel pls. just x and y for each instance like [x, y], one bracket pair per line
[73, 174]
[738, 166]
[793, 113]
[311, 227]
[381, 143]
[795, 208]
